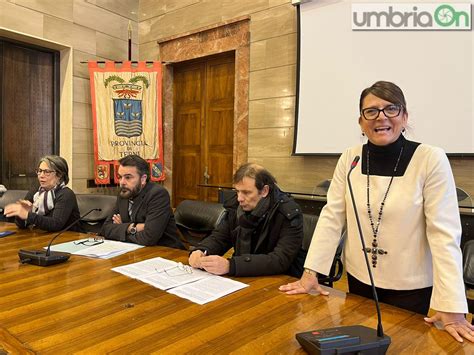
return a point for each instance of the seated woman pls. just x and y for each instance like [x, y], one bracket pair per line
[53, 206]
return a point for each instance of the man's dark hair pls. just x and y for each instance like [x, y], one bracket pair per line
[254, 171]
[134, 160]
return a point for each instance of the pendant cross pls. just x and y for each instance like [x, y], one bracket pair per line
[375, 251]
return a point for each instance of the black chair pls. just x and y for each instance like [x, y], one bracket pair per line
[197, 219]
[337, 268]
[10, 196]
[93, 222]
[468, 273]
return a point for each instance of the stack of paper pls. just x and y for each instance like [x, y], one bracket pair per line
[181, 280]
[106, 250]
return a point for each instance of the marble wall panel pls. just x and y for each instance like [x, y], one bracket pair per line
[270, 142]
[272, 3]
[125, 8]
[82, 116]
[149, 51]
[298, 173]
[274, 82]
[67, 33]
[80, 68]
[231, 9]
[82, 141]
[273, 52]
[83, 164]
[153, 8]
[276, 21]
[114, 48]
[62, 9]
[179, 22]
[81, 90]
[275, 112]
[101, 20]
[21, 19]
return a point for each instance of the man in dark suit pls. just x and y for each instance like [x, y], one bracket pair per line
[143, 213]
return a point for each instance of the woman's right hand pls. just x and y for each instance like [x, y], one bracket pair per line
[304, 285]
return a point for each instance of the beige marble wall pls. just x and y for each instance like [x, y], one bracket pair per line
[272, 81]
[91, 29]
[97, 29]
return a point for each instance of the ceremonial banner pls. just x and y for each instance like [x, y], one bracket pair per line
[126, 111]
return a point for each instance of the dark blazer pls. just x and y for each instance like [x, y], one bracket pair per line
[275, 243]
[64, 213]
[152, 207]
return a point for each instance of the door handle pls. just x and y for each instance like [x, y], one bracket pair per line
[206, 176]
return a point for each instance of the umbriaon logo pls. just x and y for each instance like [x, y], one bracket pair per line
[411, 17]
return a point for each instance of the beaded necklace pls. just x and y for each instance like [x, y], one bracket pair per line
[375, 250]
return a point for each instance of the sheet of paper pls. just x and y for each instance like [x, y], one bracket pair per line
[69, 247]
[108, 249]
[173, 277]
[208, 289]
[144, 268]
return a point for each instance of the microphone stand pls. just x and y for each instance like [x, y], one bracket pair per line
[47, 258]
[362, 241]
[354, 339]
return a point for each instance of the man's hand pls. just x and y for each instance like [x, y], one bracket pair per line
[195, 259]
[16, 210]
[455, 324]
[116, 219]
[215, 264]
[304, 285]
[140, 227]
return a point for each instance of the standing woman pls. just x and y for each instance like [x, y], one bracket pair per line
[51, 207]
[406, 198]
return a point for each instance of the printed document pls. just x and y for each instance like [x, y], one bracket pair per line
[182, 280]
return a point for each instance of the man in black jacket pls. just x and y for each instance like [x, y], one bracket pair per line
[142, 214]
[262, 224]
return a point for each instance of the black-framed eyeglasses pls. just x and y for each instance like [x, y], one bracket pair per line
[179, 270]
[46, 172]
[91, 241]
[390, 111]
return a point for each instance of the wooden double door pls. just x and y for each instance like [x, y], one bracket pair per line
[203, 127]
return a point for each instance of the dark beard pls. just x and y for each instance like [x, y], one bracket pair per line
[127, 193]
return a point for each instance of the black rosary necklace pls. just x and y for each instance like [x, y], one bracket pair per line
[375, 250]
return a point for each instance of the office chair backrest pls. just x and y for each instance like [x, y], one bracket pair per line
[93, 221]
[198, 216]
[309, 224]
[463, 197]
[468, 263]
[197, 219]
[10, 196]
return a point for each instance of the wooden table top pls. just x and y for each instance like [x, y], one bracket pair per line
[81, 306]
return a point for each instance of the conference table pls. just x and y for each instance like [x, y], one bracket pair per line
[82, 306]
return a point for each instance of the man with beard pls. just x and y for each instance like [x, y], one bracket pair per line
[143, 213]
[263, 225]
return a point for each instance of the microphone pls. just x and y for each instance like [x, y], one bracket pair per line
[47, 257]
[354, 338]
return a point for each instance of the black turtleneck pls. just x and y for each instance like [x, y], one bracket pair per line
[384, 158]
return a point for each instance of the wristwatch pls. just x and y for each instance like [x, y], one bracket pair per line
[311, 272]
[133, 229]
